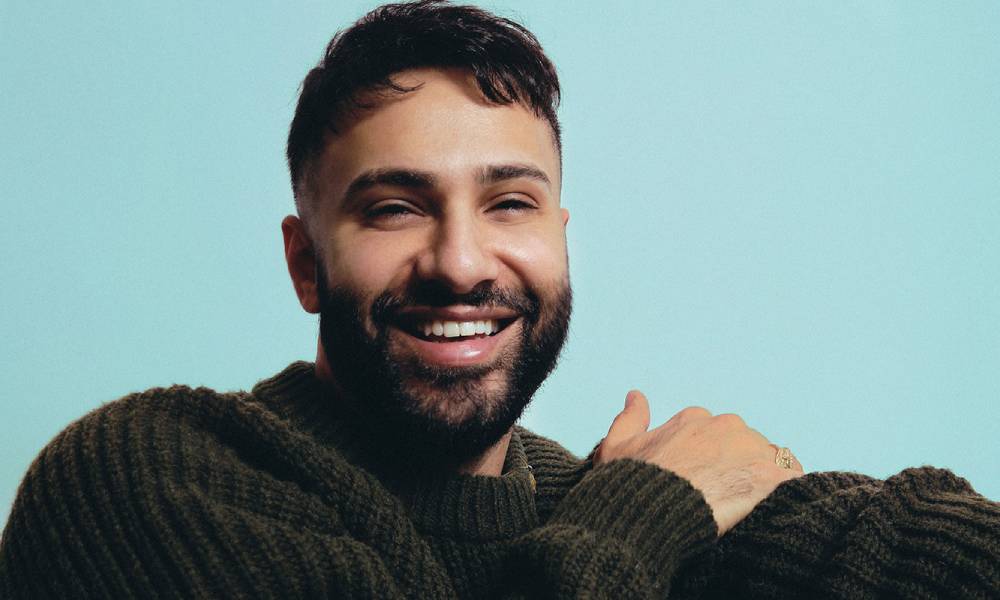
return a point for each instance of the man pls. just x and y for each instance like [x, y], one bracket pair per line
[425, 160]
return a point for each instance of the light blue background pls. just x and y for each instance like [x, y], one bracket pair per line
[781, 209]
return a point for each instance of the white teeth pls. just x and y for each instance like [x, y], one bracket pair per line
[451, 329]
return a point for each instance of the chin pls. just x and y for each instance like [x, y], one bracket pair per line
[459, 404]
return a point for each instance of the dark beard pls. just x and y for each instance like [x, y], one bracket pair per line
[384, 393]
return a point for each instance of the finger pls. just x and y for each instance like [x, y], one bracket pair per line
[631, 421]
[760, 436]
[787, 474]
[795, 466]
[691, 413]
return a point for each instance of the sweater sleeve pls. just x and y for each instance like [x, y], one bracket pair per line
[621, 532]
[923, 533]
[180, 493]
[175, 494]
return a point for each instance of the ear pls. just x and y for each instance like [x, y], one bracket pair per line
[565, 216]
[301, 259]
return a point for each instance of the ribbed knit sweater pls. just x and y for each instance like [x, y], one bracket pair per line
[192, 493]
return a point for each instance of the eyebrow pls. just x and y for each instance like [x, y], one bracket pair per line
[497, 173]
[395, 177]
[423, 180]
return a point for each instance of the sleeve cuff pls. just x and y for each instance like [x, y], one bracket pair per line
[657, 513]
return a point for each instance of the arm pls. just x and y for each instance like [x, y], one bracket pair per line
[653, 504]
[180, 493]
[923, 533]
[172, 495]
[176, 496]
[622, 532]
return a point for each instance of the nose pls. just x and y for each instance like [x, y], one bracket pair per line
[460, 255]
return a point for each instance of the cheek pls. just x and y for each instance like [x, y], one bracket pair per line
[369, 264]
[538, 256]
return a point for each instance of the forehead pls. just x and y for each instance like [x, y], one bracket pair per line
[445, 127]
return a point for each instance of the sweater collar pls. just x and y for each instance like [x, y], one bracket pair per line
[450, 505]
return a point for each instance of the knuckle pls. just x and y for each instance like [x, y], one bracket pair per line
[730, 420]
[761, 438]
[693, 412]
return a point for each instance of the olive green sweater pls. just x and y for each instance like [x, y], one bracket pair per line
[190, 493]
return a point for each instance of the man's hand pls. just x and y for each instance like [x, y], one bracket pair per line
[731, 464]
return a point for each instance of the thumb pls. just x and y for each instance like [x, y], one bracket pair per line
[631, 421]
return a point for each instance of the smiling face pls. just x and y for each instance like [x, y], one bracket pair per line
[443, 288]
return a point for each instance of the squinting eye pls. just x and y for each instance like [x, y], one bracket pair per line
[513, 205]
[393, 210]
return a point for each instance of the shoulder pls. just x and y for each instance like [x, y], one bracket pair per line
[137, 493]
[844, 497]
[845, 534]
[556, 469]
[110, 479]
[149, 427]
[857, 491]
[125, 443]
[163, 406]
[140, 455]
[142, 414]
[541, 448]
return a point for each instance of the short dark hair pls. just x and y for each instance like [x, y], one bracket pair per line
[506, 60]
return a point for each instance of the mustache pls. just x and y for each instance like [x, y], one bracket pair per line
[388, 304]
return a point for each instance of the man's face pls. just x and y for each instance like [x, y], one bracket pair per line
[444, 287]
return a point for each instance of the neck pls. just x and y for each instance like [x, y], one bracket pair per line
[489, 463]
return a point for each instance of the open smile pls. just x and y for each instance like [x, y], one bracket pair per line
[461, 340]
[441, 330]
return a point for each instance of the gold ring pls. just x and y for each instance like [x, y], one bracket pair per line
[784, 458]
